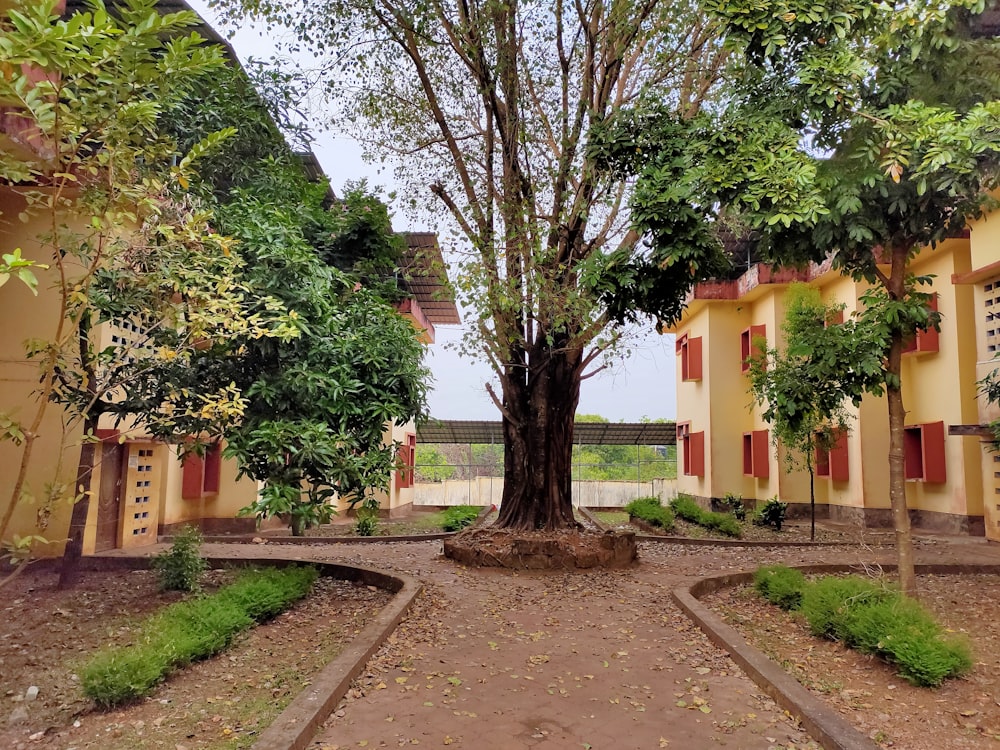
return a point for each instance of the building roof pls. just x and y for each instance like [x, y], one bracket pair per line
[425, 277]
[584, 433]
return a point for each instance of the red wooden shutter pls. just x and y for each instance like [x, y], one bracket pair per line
[192, 479]
[213, 469]
[761, 462]
[697, 444]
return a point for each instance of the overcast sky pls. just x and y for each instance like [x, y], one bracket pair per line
[642, 386]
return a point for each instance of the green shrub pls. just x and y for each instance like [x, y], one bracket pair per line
[723, 523]
[903, 633]
[734, 504]
[650, 510]
[457, 517]
[826, 602]
[191, 630]
[367, 523]
[685, 507]
[772, 513]
[180, 568]
[780, 585]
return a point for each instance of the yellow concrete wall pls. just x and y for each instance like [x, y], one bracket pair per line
[936, 386]
[55, 452]
[941, 386]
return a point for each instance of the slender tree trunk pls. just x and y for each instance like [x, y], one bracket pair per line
[538, 454]
[812, 503]
[897, 417]
[69, 574]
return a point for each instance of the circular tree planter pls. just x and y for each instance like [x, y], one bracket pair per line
[542, 550]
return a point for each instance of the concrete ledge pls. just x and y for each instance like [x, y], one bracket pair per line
[823, 723]
[294, 728]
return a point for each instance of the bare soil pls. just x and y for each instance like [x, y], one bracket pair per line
[962, 713]
[491, 660]
[45, 634]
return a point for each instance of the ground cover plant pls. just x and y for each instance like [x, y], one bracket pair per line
[650, 510]
[685, 507]
[180, 567]
[871, 617]
[772, 513]
[458, 517]
[191, 630]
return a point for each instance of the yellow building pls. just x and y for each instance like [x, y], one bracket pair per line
[140, 489]
[953, 480]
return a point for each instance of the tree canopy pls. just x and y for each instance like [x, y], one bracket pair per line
[487, 110]
[861, 131]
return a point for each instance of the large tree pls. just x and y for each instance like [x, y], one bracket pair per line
[488, 107]
[863, 132]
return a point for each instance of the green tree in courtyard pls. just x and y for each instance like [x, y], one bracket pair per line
[90, 164]
[487, 108]
[804, 389]
[862, 131]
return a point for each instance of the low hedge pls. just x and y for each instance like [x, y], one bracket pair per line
[457, 517]
[650, 510]
[872, 618]
[191, 630]
[685, 507]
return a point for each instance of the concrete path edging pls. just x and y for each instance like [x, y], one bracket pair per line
[295, 727]
[825, 725]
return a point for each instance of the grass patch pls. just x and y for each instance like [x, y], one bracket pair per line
[650, 510]
[457, 517]
[191, 630]
[872, 618]
[685, 507]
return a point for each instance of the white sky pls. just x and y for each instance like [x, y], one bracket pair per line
[641, 386]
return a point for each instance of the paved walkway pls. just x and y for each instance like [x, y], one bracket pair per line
[501, 660]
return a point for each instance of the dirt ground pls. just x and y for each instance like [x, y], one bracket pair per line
[491, 660]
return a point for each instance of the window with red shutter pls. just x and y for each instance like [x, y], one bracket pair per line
[751, 345]
[923, 450]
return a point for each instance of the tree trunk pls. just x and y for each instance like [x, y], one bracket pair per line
[897, 417]
[812, 503]
[69, 574]
[539, 409]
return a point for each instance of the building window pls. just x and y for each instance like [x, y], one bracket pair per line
[751, 346]
[756, 462]
[201, 474]
[923, 449]
[692, 450]
[688, 351]
[992, 316]
[833, 462]
[407, 459]
[925, 341]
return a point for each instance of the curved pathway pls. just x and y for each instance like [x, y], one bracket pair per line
[502, 660]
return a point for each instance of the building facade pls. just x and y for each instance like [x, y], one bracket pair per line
[953, 477]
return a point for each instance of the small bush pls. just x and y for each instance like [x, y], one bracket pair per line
[685, 507]
[457, 517]
[189, 631]
[780, 585]
[734, 504]
[650, 510]
[872, 618]
[903, 633]
[180, 568]
[723, 523]
[826, 603]
[367, 523]
[772, 513]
